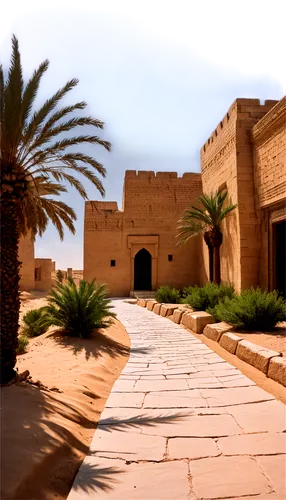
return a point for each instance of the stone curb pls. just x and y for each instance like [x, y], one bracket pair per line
[269, 362]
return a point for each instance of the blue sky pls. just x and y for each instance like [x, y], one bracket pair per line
[160, 74]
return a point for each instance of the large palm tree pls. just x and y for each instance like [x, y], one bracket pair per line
[207, 220]
[37, 159]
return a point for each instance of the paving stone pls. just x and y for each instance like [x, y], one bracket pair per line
[269, 416]
[242, 382]
[127, 445]
[254, 355]
[274, 468]
[204, 383]
[235, 396]
[253, 444]
[123, 385]
[185, 370]
[125, 399]
[222, 477]
[115, 480]
[196, 426]
[277, 370]
[175, 399]
[215, 331]
[160, 385]
[192, 448]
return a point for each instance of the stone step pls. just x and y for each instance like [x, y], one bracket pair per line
[142, 294]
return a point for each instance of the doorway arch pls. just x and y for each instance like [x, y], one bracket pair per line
[143, 270]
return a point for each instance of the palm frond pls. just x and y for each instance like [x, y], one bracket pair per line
[12, 115]
[39, 116]
[31, 90]
[46, 135]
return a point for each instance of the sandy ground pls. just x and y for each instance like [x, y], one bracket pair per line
[46, 432]
[275, 340]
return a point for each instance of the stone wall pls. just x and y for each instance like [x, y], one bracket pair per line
[227, 161]
[43, 274]
[269, 141]
[152, 205]
[26, 256]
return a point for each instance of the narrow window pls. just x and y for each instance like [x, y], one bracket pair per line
[170, 257]
[112, 263]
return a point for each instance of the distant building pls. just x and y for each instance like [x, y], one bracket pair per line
[36, 274]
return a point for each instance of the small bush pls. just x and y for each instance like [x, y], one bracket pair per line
[253, 310]
[35, 322]
[79, 310]
[205, 298]
[187, 291]
[22, 344]
[168, 295]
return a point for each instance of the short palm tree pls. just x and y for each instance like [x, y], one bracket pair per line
[207, 221]
[78, 310]
[36, 158]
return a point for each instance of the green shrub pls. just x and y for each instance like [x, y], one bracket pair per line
[253, 309]
[168, 295]
[79, 310]
[35, 322]
[187, 291]
[205, 298]
[22, 344]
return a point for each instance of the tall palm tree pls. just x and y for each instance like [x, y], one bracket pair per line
[207, 220]
[36, 160]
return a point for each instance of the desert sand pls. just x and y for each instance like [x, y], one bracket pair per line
[274, 340]
[47, 425]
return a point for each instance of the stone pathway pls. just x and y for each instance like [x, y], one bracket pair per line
[182, 424]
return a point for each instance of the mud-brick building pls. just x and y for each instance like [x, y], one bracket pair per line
[136, 248]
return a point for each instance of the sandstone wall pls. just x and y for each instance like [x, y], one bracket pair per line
[227, 161]
[152, 205]
[269, 140]
[26, 256]
[43, 274]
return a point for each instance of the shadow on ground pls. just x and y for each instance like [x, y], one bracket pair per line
[37, 424]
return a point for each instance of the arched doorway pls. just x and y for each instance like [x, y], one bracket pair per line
[143, 270]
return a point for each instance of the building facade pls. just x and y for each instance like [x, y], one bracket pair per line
[136, 248]
[247, 155]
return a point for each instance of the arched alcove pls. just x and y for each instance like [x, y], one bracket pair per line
[143, 270]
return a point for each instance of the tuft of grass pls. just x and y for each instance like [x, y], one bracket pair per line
[23, 342]
[253, 309]
[168, 295]
[35, 322]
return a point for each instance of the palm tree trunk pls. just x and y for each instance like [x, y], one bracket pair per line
[217, 276]
[10, 298]
[211, 263]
